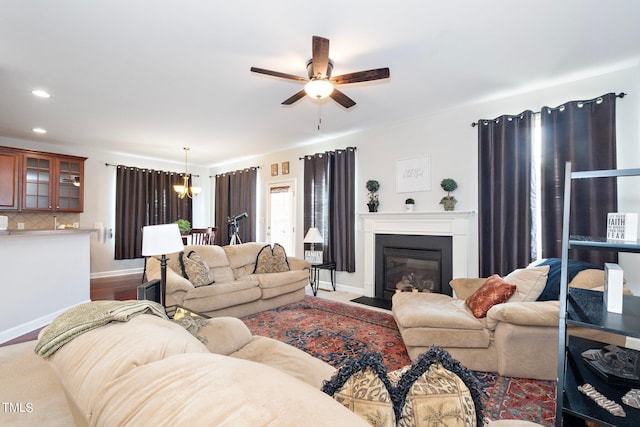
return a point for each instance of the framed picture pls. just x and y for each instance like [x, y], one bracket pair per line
[274, 169]
[413, 174]
[285, 168]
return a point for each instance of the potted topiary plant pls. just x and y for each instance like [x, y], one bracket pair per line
[373, 186]
[409, 204]
[448, 201]
[184, 226]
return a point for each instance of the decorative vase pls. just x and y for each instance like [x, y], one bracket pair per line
[449, 204]
[373, 207]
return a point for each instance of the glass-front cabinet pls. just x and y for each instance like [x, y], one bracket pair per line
[53, 183]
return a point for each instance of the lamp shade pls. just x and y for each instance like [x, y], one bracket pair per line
[161, 239]
[313, 236]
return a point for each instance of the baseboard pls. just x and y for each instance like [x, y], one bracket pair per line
[115, 273]
[31, 325]
[326, 286]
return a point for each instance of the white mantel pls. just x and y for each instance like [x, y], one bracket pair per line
[457, 224]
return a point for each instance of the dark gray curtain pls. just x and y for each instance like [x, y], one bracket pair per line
[583, 132]
[329, 203]
[504, 191]
[144, 197]
[235, 194]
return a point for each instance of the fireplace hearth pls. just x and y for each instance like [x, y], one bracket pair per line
[416, 263]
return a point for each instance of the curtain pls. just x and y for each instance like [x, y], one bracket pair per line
[329, 203]
[583, 132]
[236, 194]
[144, 197]
[504, 189]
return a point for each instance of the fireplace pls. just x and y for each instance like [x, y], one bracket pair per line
[409, 262]
[459, 226]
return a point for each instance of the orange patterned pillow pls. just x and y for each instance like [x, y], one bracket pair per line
[493, 291]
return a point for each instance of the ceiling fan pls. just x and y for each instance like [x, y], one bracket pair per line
[320, 84]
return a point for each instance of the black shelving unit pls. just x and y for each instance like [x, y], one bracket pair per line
[585, 308]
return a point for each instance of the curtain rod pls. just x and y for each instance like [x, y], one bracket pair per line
[339, 149]
[134, 167]
[619, 95]
[235, 171]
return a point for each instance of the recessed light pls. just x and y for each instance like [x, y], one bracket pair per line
[41, 93]
[39, 130]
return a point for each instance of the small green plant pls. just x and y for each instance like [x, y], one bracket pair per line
[448, 201]
[409, 201]
[373, 186]
[184, 225]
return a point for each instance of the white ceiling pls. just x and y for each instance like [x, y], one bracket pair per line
[147, 77]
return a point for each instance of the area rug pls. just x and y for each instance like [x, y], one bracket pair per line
[335, 332]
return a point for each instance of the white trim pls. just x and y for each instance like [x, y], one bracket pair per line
[456, 224]
[114, 273]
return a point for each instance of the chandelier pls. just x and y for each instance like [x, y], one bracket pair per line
[185, 190]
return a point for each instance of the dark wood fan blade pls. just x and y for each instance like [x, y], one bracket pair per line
[296, 97]
[320, 56]
[342, 99]
[278, 74]
[361, 76]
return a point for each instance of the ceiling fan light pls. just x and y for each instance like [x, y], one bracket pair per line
[318, 88]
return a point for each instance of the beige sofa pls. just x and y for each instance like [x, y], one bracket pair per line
[515, 339]
[150, 371]
[237, 291]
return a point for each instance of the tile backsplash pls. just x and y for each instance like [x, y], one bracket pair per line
[39, 220]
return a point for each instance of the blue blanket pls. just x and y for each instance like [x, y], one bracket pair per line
[552, 288]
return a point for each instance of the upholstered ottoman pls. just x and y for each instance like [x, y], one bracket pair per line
[426, 319]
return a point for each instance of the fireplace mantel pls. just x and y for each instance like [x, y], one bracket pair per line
[456, 224]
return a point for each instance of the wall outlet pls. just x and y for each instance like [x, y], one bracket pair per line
[21, 226]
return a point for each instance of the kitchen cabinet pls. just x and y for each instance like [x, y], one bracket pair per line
[9, 179]
[52, 182]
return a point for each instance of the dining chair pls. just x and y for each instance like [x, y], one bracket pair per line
[202, 236]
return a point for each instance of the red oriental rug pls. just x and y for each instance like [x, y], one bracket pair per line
[335, 332]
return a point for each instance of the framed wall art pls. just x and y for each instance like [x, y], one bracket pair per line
[413, 174]
[274, 169]
[285, 168]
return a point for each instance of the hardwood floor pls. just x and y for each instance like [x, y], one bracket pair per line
[106, 288]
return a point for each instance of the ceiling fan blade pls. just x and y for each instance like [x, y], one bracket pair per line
[342, 99]
[295, 97]
[320, 56]
[278, 74]
[361, 76]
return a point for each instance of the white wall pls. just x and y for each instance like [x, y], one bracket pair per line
[447, 136]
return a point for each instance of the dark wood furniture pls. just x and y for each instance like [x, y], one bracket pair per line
[314, 275]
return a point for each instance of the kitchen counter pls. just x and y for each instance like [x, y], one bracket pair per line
[44, 273]
[16, 232]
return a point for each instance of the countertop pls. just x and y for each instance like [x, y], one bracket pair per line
[18, 233]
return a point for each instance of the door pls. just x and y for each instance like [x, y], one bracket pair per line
[281, 201]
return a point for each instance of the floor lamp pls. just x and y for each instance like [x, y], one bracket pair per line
[161, 240]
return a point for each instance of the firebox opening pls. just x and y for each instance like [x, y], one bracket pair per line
[412, 263]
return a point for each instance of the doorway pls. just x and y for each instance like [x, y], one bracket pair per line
[281, 203]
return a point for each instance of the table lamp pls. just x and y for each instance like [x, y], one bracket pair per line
[313, 236]
[161, 240]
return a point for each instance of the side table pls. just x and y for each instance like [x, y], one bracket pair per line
[314, 273]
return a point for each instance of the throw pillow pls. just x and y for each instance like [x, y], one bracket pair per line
[552, 289]
[530, 283]
[271, 260]
[493, 291]
[195, 270]
[435, 389]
